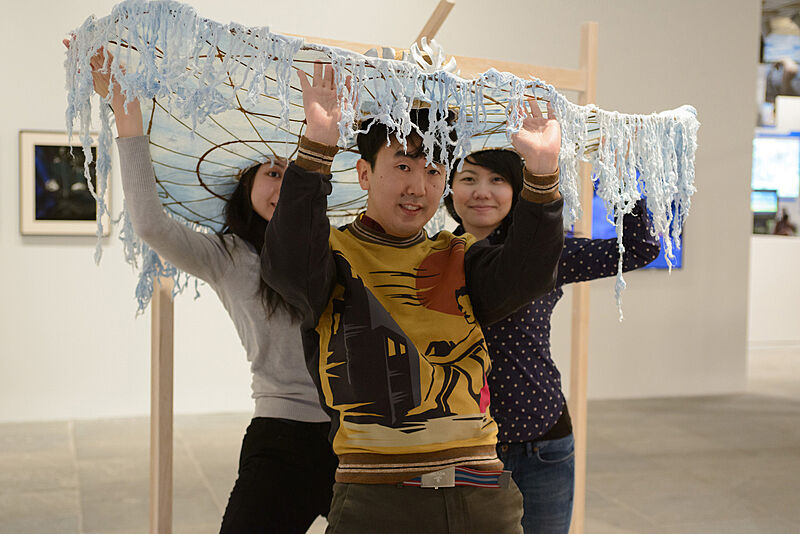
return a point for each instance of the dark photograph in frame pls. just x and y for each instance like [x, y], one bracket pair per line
[54, 196]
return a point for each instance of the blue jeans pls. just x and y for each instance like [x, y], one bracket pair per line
[545, 474]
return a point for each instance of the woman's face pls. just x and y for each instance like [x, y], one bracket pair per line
[267, 188]
[481, 197]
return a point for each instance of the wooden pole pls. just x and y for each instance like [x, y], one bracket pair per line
[563, 79]
[435, 21]
[580, 297]
[161, 375]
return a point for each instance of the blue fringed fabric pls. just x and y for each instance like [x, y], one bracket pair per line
[218, 99]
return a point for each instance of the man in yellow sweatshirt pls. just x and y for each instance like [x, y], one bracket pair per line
[392, 320]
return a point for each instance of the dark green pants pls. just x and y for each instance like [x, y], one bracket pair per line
[392, 509]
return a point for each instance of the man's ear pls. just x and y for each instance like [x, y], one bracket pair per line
[364, 171]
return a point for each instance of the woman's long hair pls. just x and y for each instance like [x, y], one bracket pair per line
[507, 164]
[243, 221]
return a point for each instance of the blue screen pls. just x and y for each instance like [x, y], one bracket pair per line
[602, 229]
[764, 201]
[776, 163]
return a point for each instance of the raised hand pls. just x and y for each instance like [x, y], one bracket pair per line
[129, 124]
[539, 139]
[321, 104]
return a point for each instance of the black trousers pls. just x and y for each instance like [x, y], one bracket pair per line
[286, 475]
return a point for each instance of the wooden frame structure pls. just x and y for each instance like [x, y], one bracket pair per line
[581, 80]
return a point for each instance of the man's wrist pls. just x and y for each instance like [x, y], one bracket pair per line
[321, 136]
[315, 156]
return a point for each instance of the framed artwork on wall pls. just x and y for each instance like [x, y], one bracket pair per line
[54, 198]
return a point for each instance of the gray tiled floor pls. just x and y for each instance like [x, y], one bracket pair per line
[727, 464]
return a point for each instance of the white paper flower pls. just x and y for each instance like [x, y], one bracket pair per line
[430, 58]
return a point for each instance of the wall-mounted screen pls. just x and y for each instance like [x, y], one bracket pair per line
[764, 201]
[602, 229]
[776, 163]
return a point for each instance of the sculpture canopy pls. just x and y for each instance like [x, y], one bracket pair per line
[218, 99]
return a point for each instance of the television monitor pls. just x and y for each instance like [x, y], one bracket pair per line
[778, 46]
[764, 201]
[602, 229]
[776, 163]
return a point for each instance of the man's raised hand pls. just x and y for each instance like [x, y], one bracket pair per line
[321, 104]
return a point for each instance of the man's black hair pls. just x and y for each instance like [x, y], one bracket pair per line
[370, 143]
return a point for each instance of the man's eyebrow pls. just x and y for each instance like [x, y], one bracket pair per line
[402, 154]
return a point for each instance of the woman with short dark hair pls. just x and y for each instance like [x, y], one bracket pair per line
[535, 439]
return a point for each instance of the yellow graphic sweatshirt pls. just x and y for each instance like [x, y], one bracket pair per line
[391, 326]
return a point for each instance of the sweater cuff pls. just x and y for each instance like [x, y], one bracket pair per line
[315, 157]
[136, 164]
[540, 188]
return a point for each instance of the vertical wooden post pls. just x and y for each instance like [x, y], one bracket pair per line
[580, 297]
[436, 20]
[161, 367]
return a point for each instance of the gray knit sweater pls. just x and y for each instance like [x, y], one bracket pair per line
[282, 386]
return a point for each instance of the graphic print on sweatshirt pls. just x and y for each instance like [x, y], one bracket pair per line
[401, 351]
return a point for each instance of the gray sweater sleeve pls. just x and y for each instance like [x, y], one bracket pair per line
[201, 255]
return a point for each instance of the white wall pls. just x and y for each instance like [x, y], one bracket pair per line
[774, 312]
[685, 333]
[71, 347]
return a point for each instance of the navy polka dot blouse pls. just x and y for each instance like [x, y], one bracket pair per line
[525, 385]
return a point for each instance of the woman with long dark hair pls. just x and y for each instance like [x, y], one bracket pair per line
[535, 439]
[286, 467]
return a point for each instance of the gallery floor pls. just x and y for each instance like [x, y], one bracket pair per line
[727, 464]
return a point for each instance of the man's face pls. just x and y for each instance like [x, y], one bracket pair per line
[402, 193]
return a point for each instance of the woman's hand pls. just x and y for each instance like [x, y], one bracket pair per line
[128, 124]
[321, 104]
[539, 140]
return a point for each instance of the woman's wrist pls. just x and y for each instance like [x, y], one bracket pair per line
[129, 124]
[540, 188]
[542, 166]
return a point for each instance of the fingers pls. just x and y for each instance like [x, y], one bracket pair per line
[319, 70]
[329, 77]
[98, 60]
[533, 110]
[353, 95]
[533, 107]
[303, 77]
[551, 113]
[324, 78]
[323, 75]
[348, 83]
[68, 40]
